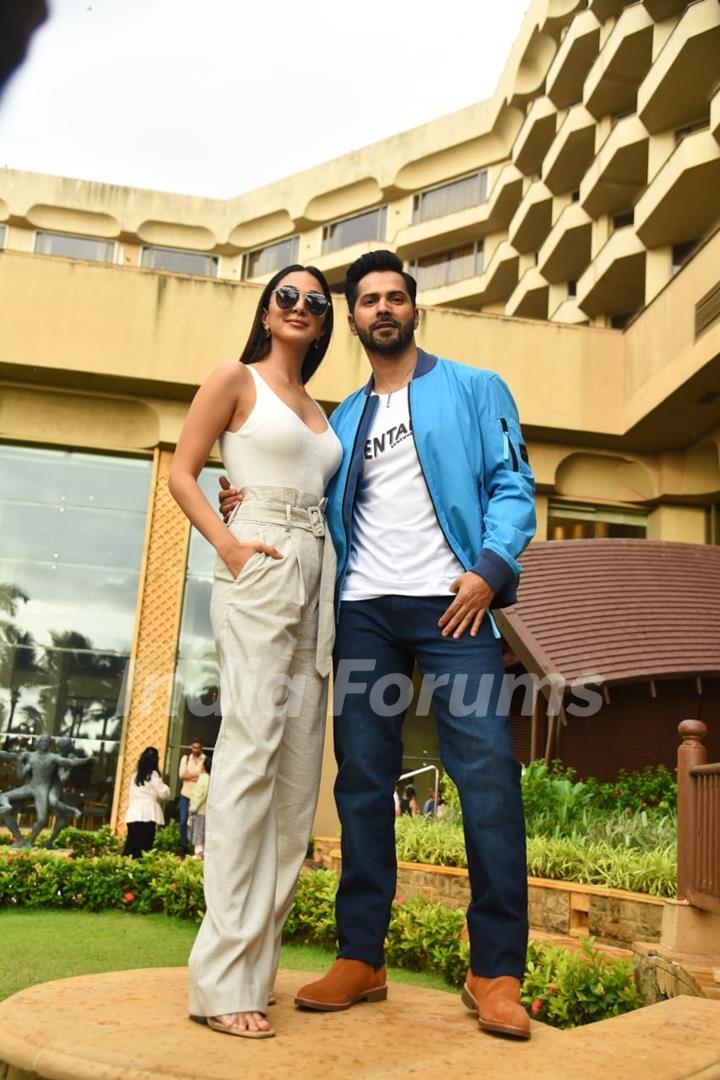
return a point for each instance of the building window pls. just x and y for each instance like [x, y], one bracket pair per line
[179, 261]
[444, 267]
[572, 288]
[196, 705]
[74, 247]
[681, 253]
[267, 260]
[71, 544]
[623, 221]
[568, 521]
[353, 230]
[446, 199]
[3, 232]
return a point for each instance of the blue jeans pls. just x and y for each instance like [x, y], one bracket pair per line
[476, 750]
[183, 815]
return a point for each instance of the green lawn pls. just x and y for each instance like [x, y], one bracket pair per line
[42, 945]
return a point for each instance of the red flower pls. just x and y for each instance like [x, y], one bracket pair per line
[536, 1006]
[399, 899]
[128, 897]
[552, 989]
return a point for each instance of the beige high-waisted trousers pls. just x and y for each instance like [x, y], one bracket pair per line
[274, 629]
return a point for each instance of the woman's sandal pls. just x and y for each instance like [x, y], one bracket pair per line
[230, 1029]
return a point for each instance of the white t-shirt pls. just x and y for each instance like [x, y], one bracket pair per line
[398, 547]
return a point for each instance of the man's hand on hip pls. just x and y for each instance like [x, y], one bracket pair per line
[472, 599]
[228, 497]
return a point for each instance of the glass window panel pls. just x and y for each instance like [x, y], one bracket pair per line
[196, 709]
[98, 603]
[3, 233]
[66, 478]
[180, 262]
[446, 199]
[353, 230]
[76, 536]
[444, 267]
[271, 258]
[71, 537]
[74, 247]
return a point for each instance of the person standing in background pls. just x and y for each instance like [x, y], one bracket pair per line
[191, 766]
[198, 803]
[144, 812]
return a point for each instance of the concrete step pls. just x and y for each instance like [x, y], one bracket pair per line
[132, 1025]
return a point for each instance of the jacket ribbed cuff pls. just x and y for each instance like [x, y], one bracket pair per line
[494, 570]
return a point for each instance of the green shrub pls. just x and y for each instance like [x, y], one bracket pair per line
[614, 864]
[168, 838]
[565, 989]
[87, 842]
[437, 841]
[599, 863]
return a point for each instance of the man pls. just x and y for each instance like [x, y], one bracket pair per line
[191, 765]
[431, 506]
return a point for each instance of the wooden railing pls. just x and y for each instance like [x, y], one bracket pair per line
[698, 820]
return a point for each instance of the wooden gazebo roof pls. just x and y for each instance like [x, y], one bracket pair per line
[625, 610]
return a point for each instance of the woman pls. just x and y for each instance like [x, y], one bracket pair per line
[144, 812]
[198, 807]
[272, 616]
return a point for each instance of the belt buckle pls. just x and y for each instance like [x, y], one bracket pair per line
[317, 523]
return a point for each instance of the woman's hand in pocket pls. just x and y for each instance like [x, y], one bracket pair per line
[238, 552]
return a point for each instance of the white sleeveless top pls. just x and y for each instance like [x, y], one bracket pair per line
[275, 448]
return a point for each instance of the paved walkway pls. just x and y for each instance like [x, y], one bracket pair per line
[131, 1026]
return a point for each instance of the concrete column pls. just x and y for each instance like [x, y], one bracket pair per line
[541, 509]
[682, 523]
[658, 271]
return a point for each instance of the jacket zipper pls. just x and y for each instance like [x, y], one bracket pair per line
[424, 476]
[346, 528]
[507, 443]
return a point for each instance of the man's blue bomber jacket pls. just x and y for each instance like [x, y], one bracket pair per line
[474, 460]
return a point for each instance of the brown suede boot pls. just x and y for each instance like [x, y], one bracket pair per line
[346, 983]
[497, 1003]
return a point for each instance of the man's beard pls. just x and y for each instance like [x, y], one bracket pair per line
[392, 346]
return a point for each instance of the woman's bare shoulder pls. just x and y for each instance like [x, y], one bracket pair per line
[232, 370]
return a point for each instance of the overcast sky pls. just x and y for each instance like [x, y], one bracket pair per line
[216, 97]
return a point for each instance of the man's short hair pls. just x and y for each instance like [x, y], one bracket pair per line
[369, 263]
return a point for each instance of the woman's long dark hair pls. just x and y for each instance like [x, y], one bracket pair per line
[147, 765]
[258, 343]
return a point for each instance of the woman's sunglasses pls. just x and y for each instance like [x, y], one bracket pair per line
[287, 297]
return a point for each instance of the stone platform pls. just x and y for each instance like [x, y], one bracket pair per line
[131, 1025]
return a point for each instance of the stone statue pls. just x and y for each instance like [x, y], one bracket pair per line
[43, 774]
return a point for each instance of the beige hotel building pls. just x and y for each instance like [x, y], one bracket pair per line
[564, 233]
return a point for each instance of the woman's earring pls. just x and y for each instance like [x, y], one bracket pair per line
[267, 331]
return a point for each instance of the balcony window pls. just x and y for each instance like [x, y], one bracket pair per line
[623, 221]
[587, 522]
[179, 261]
[446, 199]
[681, 253]
[445, 267]
[272, 257]
[572, 288]
[74, 247]
[353, 230]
